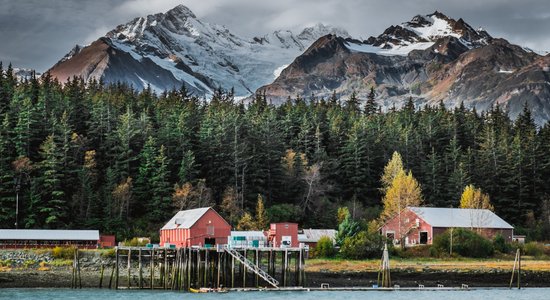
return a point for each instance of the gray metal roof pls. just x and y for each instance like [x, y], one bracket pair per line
[313, 235]
[47, 234]
[460, 217]
[186, 218]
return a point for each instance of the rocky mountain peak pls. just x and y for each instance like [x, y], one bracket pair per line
[318, 30]
[181, 12]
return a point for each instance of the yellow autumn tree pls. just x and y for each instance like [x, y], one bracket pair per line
[246, 223]
[473, 197]
[261, 214]
[394, 166]
[181, 197]
[404, 191]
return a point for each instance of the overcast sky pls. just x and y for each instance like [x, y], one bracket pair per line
[37, 33]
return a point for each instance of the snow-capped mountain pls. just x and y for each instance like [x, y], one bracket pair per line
[167, 49]
[431, 58]
[421, 33]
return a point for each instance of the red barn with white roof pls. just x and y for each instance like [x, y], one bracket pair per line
[195, 227]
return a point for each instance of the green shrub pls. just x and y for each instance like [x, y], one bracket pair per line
[135, 242]
[534, 249]
[6, 263]
[63, 252]
[324, 248]
[362, 245]
[108, 253]
[29, 263]
[465, 243]
[410, 252]
[500, 244]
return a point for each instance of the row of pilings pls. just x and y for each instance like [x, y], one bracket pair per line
[195, 268]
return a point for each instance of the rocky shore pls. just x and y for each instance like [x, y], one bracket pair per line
[30, 269]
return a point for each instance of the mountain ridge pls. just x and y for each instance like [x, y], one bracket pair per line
[183, 46]
[440, 59]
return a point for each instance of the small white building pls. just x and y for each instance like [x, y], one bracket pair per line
[247, 239]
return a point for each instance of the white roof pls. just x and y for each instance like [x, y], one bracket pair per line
[47, 234]
[248, 233]
[313, 235]
[460, 217]
[186, 218]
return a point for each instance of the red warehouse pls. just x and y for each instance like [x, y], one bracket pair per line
[420, 225]
[283, 235]
[195, 227]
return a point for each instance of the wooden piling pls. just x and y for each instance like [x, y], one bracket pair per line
[140, 266]
[300, 267]
[232, 272]
[165, 268]
[219, 270]
[257, 260]
[129, 267]
[285, 267]
[186, 268]
[111, 277]
[78, 269]
[116, 268]
[519, 270]
[102, 269]
[152, 269]
[205, 281]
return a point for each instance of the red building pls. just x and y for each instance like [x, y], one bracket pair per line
[107, 241]
[420, 225]
[283, 235]
[46, 238]
[195, 227]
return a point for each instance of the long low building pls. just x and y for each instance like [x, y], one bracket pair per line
[420, 225]
[47, 238]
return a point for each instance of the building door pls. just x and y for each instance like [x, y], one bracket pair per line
[423, 238]
[209, 242]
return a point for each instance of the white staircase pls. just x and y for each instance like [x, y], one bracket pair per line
[252, 267]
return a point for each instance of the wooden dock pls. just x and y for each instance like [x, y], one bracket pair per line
[221, 267]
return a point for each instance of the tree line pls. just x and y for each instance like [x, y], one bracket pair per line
[89, 155]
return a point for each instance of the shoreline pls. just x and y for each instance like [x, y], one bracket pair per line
[61, 278]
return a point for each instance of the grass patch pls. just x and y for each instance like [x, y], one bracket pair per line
[61, 263]
[420, 264]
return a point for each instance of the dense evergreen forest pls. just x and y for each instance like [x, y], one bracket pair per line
[86, 155]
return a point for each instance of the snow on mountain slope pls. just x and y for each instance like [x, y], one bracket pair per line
[420, 33]
[184, 45]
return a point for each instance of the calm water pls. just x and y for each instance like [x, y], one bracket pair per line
[92, 294]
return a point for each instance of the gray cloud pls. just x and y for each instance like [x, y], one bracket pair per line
[37, 33]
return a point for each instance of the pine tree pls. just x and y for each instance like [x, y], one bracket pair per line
[160, 203]
[52, 208]
[371, 107]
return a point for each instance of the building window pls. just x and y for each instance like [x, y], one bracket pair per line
[210, 230]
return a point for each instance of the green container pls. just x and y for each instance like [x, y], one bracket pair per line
[256, 243]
